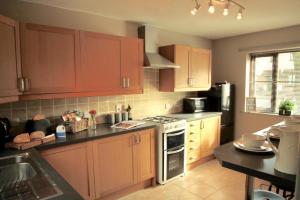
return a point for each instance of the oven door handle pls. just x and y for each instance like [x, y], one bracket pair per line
[175, 134]
[176, 151]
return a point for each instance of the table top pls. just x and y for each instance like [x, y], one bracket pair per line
[253, 164]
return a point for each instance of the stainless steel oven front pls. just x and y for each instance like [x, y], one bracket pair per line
[173, 154]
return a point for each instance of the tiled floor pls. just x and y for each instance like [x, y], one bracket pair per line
[209, 181]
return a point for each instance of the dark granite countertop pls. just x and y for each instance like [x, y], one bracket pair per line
[196, 116]
[102, 131]
[68, 191]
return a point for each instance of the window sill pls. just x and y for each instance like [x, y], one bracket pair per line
[262, 113]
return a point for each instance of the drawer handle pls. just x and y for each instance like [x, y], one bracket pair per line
[191, 133]
[192, 140]
[192, 158]
[192, 125]
[192, 148]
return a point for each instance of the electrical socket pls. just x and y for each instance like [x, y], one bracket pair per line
[118, 107]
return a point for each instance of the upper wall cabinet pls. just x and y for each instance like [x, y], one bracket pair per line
[132, 59]
[9, 60]
[50, 58]
[110, 64]
[194, 73]
[100, 62]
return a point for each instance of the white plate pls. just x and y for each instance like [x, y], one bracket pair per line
[263, 149]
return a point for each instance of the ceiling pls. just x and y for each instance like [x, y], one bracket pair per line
[174, 15]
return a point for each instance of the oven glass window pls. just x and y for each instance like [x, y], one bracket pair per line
[175, 139]
[175, 164]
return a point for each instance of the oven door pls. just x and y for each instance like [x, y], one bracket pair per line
[174, 162]
[174, 139]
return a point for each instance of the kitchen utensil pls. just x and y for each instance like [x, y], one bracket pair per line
[287, 154]
[124, 116]
[265, 148]
[253, 141]
[118, 117]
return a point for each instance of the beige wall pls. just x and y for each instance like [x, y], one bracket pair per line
[41, 14]
[152, 102]
[229, 63]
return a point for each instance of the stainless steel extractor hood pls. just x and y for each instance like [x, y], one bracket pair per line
[153, 59]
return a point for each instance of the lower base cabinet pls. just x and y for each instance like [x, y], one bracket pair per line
[74, 164]
[203, 136]
[101, 167]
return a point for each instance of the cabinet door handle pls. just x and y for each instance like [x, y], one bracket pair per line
[190, 81]
[140, 139]
[26, 84]
[128, 82]
[135, 139]
[21, 84]
[124, 82]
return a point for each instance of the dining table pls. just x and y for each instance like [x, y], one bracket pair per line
[259, 165]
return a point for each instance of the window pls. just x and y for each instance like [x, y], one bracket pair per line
[273, 77]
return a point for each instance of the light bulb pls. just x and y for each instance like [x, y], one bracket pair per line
[239, 16]
[225, 11]
[211, 9]
[194, 11]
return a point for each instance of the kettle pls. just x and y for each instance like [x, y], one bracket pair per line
[287, 153]
[4, 132]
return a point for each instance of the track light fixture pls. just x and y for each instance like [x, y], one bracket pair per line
[211, 8]
[196, 8]
[225, 3]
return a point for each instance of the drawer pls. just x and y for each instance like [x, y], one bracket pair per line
[193, 156]
[191, 147]
[193, 139]
[194, 126]
[193, 135]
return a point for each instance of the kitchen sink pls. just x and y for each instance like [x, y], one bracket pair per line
[21, 177]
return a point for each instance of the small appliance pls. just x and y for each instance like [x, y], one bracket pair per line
[170, 147]
[4, 132]
[194, 105]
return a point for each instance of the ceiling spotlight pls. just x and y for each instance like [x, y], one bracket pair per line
[239, 15]
[195, 9]
[211, 8]
[226, 9]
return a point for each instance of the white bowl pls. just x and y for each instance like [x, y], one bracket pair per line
[253, 141]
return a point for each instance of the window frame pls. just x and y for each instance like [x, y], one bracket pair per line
[274, 82]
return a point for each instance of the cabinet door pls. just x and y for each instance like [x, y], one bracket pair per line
[49, 58]
[132, 64]
[9, 59]
[145, 152]
[113, 164]
[74, 164]
[100, 69]
[182, 73]
[210, 136]
[200, 68]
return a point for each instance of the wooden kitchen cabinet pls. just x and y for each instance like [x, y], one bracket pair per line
[194, 73]
[132, 59]
[145, 152]
[75, 164]
[203, 136]
[50, 58]
[10, 67]
[100, 63]
[122, 161]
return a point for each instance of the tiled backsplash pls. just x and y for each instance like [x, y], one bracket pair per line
[150, 103]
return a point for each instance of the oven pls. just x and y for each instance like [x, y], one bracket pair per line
[174, 154]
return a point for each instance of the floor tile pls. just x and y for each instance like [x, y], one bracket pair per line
[209, 181]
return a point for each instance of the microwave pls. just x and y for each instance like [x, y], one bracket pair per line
[194, 105]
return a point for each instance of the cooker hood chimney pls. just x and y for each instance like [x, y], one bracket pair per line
[152, 59]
